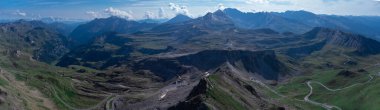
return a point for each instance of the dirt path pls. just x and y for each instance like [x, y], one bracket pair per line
[34, 99]
[21, 93]
[74, 108]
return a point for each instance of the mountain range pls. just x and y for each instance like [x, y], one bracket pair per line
[224, 60]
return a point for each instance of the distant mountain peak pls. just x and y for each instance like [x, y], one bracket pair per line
[181, 15]
[113, 18]
[301, 12]
[179, 18]
[211, 21]
[219, 12]
[217, 16]
[231, 9]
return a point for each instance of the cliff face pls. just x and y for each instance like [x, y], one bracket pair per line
[263, 63]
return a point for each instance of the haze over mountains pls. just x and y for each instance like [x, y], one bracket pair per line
[224, 60]
[291, 21]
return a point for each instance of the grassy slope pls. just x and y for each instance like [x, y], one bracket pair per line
[349, 99]
[47, 79]
[346, 99]
[223, 98]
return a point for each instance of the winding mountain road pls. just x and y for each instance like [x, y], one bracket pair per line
[326, 106]
[307, 99]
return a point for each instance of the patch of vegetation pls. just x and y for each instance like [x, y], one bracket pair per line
[3, 82]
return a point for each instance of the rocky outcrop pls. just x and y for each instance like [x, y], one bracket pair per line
[3, 95]
[196, 98]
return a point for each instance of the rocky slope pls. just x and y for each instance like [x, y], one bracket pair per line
[223, 88]
[323, 39]
[33, 37]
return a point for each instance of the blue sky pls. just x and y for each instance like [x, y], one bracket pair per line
[140, 9]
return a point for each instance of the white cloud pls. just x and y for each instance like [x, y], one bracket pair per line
[149, 15]
[93, 14]
[221, 6]
[162, 13]
[278, 2]
[179, 9]
[120, 13]
[257, 1]
[20, 13]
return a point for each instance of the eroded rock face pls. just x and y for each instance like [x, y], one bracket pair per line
[263, 63]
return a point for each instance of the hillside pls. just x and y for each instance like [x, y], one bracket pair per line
[33, 37]
[320, 39]
[86, 32]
